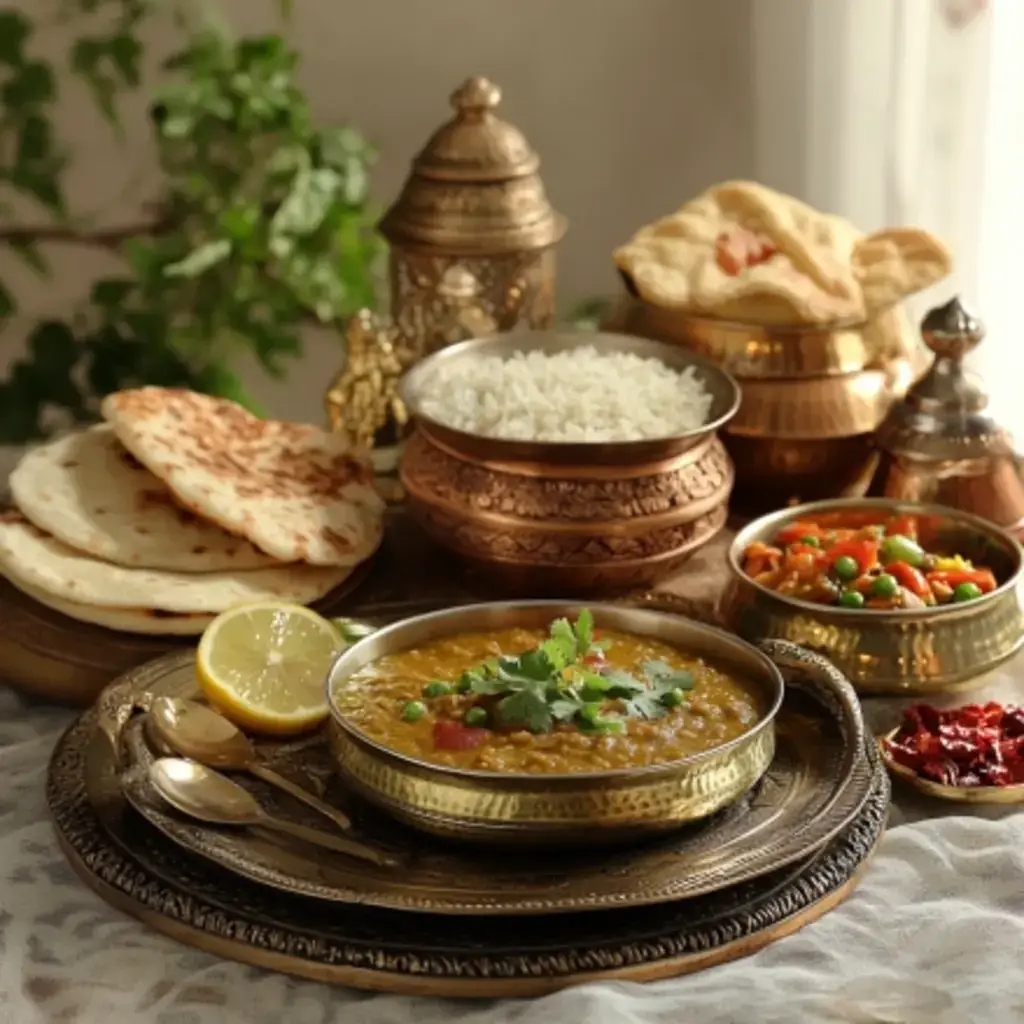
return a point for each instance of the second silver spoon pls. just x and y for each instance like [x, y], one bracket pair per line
[200, 733]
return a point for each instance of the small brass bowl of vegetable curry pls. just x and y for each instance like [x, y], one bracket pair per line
[546, 722]
[902, 597]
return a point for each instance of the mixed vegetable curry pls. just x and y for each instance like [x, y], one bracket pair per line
[569, 700]
[861, 559]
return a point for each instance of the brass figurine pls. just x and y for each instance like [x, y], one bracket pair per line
[363, 401]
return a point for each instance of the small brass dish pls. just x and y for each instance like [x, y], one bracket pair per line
[537, 809]
[905, 651]
[541, 518]
[958, 794]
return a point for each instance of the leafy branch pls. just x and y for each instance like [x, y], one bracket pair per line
[264, 222]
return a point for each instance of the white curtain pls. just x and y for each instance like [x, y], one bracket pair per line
[909, 112]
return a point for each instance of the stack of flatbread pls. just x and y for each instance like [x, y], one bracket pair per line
[180, 506]
[743, 252]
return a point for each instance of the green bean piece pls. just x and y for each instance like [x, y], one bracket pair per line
[897, 548]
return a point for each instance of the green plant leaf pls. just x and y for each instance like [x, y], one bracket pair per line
[200, 260]
[30, 254]
[111, 292]
[304, 209]
[125, 51]
[15, 28]
[53, 347]
[31, 85]
[8, 305]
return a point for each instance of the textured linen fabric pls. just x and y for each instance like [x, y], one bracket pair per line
[934, 935]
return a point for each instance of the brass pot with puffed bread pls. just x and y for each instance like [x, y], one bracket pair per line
[800, 306]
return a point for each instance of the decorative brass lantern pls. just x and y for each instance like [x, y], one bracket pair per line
[472, 234]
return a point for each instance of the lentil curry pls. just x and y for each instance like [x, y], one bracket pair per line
[569, 700]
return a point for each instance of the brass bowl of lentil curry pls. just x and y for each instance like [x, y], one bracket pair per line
[902, 597]
[551, 722]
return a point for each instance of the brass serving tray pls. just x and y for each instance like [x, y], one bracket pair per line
[133, 868]
[805, 799]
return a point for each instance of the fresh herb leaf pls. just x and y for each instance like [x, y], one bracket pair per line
[560, 647]
[485, 686]
[534, 665]
[524, 710]
[564, 709]
[622, 684]
[584, 632]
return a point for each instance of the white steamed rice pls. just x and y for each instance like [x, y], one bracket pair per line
[578, 395]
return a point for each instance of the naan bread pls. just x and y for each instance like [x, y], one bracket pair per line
[125, 620]
[295, 491]
[87, 491]
[743, 252]
[31, 558]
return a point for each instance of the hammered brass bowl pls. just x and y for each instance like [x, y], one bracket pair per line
[787, 351]
[569, 519]
[905, 651]
[544, 809]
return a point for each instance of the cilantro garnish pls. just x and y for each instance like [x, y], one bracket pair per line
[564, 679]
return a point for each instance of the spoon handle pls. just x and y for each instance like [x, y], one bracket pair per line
[330, 842]
[270, 776]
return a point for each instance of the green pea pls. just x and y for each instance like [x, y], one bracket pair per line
[897, 548]
[436, 688]
[413, 711]
[966, 592]
[811, 542]
[476, 717]
[885, 586]
[846, 567]
[851, 599]
[673, 698]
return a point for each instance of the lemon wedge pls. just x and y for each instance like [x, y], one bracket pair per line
[264, 666]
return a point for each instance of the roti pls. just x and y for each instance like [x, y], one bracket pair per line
[88, 491]
[147, 621]
[295, 491]
[30, 558]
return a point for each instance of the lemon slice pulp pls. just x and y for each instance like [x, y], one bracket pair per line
[264, 666]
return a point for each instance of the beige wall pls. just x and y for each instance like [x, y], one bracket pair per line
[633, 105]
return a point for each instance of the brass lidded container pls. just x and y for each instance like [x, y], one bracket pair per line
[472, 233]
[940, 444]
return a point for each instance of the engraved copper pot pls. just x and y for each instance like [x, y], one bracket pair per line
[812, 396]
[569, 519]
[903, 651]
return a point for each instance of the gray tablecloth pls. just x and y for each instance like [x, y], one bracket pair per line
[933, 936]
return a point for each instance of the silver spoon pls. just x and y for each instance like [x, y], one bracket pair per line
[197, 732]
[208, 796]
